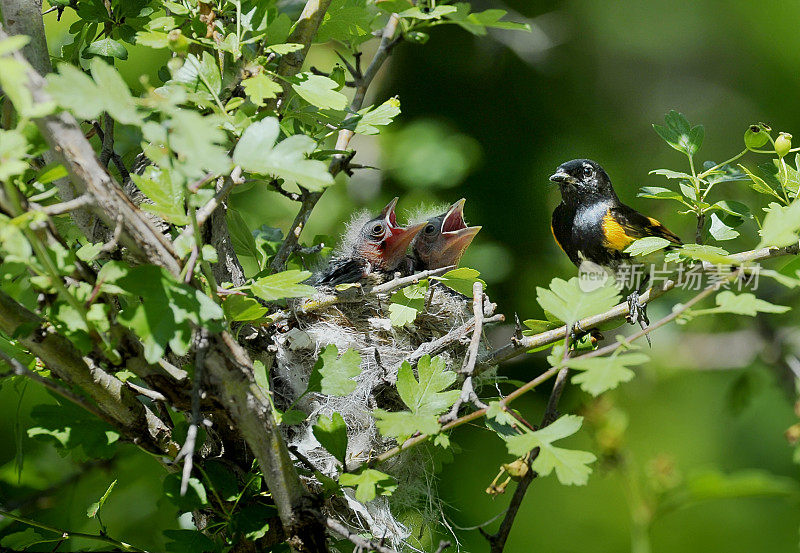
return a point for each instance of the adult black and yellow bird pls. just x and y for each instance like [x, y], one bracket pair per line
[443, 239]
[372, 248]
[592, 224]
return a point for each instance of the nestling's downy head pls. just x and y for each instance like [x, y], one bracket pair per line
[444, 238]
[383, 242]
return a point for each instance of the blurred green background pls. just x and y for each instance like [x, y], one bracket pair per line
[489, 118]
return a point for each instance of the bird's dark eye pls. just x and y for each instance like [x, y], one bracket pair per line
[587, 171]
[430, 229]
[377, 231]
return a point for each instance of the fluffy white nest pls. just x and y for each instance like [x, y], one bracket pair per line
[365, 327]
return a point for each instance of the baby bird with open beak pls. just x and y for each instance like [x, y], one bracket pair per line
[374, 249]
[443, 239]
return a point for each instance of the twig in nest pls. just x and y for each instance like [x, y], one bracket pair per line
[359, 541]
[468, 394]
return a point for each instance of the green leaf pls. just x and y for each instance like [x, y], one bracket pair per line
[407, 303]
[74, 430]
[19, 541]
[704, 252]
[477, 22]
[720, 231]
[50, 173]
[286, 284]
[320, 91]
[461, 280]
[741, 304]
[331, 433]
[679, 134]
[394, 6]
[372, 118]
[115, 95]
[369, 483]
[95, 507]
[424, 397]
[333, 375]
[152, 39]
[195, 496]
[108, 48]
[569, 303]
[258, 153]
[571, 466]
[165, 311]
[604, 373]
[75, 91]
[670, 174]
[188, 541]
[166, 190]
[198, 142]
[659, 193]
[293, 417]
[536, 326]
[243, 308]
[285, 48]
[347, 21]
[13, 154]
[252, 521]
[781, 225]
[243, 241]
[260, 88]
[426, 13]
[648, 245]
[13, 43]
[757, 183]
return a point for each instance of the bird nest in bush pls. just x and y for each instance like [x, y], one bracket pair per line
[353, 338]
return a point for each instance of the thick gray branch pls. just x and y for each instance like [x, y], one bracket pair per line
[110, 394]
[299, 510]
[24, 17]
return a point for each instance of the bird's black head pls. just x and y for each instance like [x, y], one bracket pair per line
[581, 180]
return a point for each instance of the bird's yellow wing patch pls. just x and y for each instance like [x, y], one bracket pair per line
[614, 235]
[663, 231]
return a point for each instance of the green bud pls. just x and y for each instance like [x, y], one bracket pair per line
[755, 137]
[177, 41]
[783, 144]
[337, 75]
[417, 37]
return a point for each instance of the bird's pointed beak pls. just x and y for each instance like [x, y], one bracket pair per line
[454, 218]
[389, 215]
[398, 241]
[456, 235]
[561, 176]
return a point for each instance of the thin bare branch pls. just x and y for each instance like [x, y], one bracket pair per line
[187, 451]
[64, 207]
[356, 539]
[468, 394]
